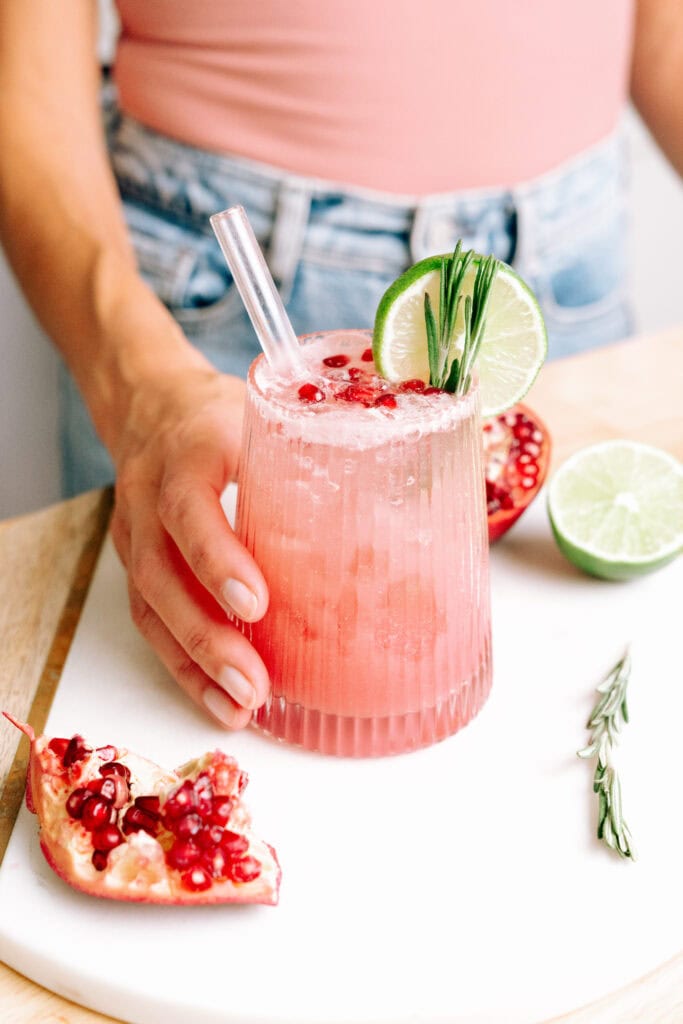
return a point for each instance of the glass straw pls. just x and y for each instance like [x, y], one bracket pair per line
[257, 288]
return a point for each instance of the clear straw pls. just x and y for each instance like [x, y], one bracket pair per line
[257, 288]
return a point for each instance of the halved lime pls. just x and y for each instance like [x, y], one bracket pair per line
[513, 347]
[616, 509]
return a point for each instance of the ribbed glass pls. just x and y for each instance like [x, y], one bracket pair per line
[371, 532]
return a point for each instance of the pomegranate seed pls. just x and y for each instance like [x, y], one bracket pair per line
[526, 468]
[107, 753]
[221, 809]
[531, 448]
[387, 400]
[149, 804]
[357, 393]
[196, 880]
[115, 768]
[245, 870]
[415, 384]
[106, 837]
[96, 811]
[58, 746]
[216, 862]
[367, 355]
[355, 373]
[506, 502]
[106, 788]
[99, 859]
[434, 391]
[209, 836]
[136, 820]
[528, 482]
[234, 843]
[187, 826]
[183, 854]
[310, 393]
[336, 361]
[76, 750]
[203, 792]
[181, 801]
[74, 803]
[523, 431]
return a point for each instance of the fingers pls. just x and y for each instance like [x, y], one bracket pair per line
[188, 674]
[193, 516]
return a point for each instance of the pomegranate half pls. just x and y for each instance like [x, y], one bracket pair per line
[116, 825]
[516, 460]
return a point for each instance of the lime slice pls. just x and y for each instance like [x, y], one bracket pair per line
[513, 347]
[616, 509]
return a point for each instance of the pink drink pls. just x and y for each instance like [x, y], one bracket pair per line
[369, 523]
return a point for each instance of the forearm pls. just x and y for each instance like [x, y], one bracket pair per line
[657, 73]
[61, 222]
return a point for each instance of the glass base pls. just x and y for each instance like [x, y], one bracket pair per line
[346, 736]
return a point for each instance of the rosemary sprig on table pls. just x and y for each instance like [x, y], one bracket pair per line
[608, 716]
[456, 376]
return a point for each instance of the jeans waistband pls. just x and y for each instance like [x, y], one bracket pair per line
[187, 185]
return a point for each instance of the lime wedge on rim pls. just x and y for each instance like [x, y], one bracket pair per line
[616, 509]
[513, 348]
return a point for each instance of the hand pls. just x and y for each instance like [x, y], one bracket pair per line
[177, 450]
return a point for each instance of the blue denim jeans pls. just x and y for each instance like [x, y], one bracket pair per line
[334, 250]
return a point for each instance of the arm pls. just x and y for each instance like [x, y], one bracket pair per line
[171, 422]
[657, 73]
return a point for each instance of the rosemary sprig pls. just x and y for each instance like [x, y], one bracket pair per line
[456, 376]
[608, 716]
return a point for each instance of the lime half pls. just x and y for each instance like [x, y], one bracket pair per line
[513, 347]
[616, 509]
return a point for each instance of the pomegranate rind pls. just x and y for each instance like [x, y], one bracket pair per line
[499, 522]
[137, 870]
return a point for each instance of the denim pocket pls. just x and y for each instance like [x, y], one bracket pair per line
[186, 271]
[581, 276]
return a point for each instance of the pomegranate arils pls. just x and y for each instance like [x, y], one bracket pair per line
[107, 753]
[99, 859]
[76, 750]
[180, 801]
[96, 811]
[367, 355]
[221, 809]
[196, 880]
[244, 870]
[75, 801]
[234, 843]
[216, 862]
[58, 746]
[336, 361]
[310, 393]
[361, 393]
[415, 384]
[183, 854]
[387, 400]
[209, 836]
[355, 373]
[106, 837]
[137, 820]
[115, 768]
[516, 452]
[187, 826]
[149, 804]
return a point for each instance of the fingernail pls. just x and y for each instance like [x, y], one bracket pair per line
[241, 599]
[219, 704]
[238, 686]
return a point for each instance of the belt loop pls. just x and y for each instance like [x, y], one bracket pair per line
[292, 209]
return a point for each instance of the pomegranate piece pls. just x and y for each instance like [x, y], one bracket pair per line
[367, 355]
[310, 393]
[145, 834]
[516, 459]
[336, 361]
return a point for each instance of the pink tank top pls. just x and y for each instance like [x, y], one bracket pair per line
[407, 96]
